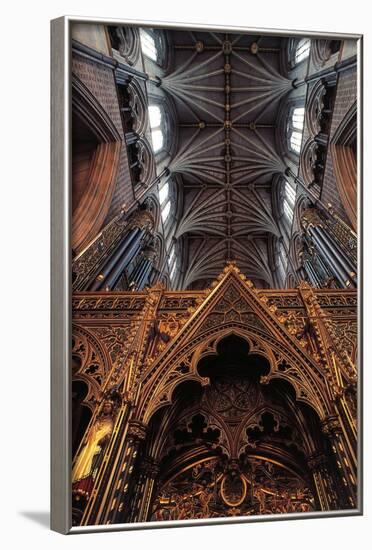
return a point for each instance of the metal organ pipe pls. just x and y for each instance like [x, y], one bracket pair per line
[314, 278]
[343, 266]
[116, 261]
[346, 261]
[340, 273]
[145, 274]
[114, 258]
[124, 261]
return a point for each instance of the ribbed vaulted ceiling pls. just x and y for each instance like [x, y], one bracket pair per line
[226, 90]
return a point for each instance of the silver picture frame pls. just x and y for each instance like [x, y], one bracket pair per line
[61, 514]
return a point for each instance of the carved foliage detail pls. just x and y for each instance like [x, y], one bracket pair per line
[88, 363]
[117, 341]
[232, 308]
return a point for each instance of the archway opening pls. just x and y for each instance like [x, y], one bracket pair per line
[234, 446]
[81, 414]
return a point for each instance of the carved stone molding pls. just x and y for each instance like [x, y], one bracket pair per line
[315, 106]
[126, 41]
[322, 51]
[138, 106]
[92, 366]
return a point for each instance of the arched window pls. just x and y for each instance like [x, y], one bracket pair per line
[173, 270]
[172, 262]
[289, 201]
[171, 256]
[156, 119]
[148, 45]
[295, 141]
[165, 204]
[165, 211]
[283, 261]
[302, 50]
[298, 118]
[163, 193]
[295, 129]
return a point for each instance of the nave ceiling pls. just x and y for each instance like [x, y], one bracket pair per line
[225, 93]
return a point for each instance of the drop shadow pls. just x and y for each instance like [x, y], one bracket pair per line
[42, 518]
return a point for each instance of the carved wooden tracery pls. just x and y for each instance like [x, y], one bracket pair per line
[177, 423]
[239, 318]
[238, 433]
[90, 363]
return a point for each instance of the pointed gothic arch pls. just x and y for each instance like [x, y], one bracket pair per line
[249, 319]
[204, 429]
[90, 363]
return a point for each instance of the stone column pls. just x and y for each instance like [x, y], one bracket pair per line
[143, 499]
[123, 501]
[101, 496]
[345, 461]
[324, 484]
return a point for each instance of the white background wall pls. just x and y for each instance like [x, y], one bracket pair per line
[24, 353]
